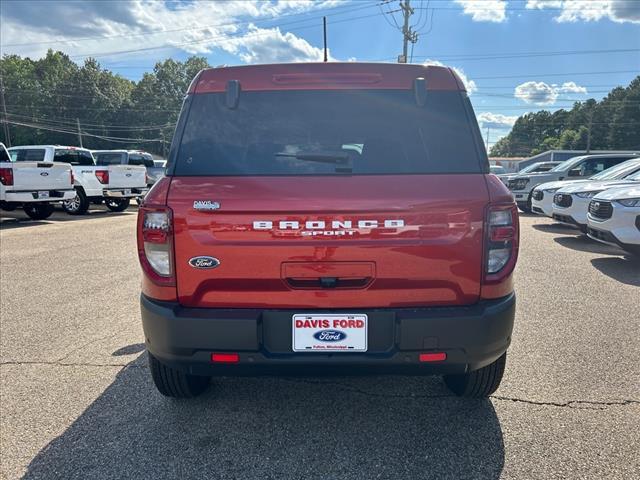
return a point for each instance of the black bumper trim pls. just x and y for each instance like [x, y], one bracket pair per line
[184, 338]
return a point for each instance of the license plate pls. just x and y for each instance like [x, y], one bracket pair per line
[44, 194]
[330, 333]
[127, 191]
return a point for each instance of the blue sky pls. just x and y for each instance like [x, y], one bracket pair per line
[512, 53]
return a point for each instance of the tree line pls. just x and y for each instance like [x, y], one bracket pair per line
[53, 100]
[610, 124]
[48, 100]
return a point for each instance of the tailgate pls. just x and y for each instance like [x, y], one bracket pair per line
[344, 242]
[31, 176]
[127, 176]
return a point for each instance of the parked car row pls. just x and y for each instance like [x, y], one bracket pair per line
[36, 177]
[605, 206]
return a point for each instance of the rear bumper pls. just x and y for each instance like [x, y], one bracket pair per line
[30, 196]
[185, 338]
[121, 193]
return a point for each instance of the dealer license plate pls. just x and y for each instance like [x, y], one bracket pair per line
[330, 333]
[43, 194]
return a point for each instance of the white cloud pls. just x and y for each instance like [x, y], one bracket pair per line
[272, 46]
[541, 93]
[619, 11]
[485, 10]
[572, 87]
[496, 120]
[469, 84]
[100, 28]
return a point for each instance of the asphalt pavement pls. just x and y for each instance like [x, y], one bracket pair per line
[76, 398]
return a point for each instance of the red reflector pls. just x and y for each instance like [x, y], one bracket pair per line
[225, 357]
[433, 357]
[499, 234]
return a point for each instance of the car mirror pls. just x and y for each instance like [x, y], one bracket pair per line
[576, 172]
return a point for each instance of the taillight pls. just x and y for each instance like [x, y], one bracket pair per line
[71, 176]
[155, 244]
[103, 176]
[501, 242]
[6, 176]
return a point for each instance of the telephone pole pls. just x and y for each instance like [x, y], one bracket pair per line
[408, 35]
[589, 130]
[488, 130]
[5, 120]
[79, 132]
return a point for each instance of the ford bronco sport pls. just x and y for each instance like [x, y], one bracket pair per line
[334, 217]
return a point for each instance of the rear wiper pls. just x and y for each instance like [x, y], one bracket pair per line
[322, 157]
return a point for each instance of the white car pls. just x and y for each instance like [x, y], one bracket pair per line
[576, 168]
[116, 185]
[614, 218]
[538, 167]
[542, 195]
[571, 203]
[131, 157]
[35, 186]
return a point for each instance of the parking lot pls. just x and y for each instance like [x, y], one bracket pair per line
[76, 398]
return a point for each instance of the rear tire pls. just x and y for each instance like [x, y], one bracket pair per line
[175, 383]
[38, 211]
[117, 204]
[479, 383]
[77, 205]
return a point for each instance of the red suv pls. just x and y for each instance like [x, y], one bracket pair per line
[327, 217]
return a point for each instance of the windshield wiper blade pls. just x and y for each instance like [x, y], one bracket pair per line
[322, 157]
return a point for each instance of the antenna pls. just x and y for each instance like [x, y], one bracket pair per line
[324, 27]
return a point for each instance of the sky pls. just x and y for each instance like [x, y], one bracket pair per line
[515, 56]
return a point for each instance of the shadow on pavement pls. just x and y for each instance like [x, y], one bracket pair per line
[624, 270]
[268, 428]
[585, 244]
[556, 228]
[18, 219]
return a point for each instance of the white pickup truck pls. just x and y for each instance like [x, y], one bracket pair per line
[35, 186]
[116, 185]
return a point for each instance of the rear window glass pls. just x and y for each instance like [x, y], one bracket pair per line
[141, 159]
[328, 132]
[108, 158]
[27, 155]
[4, 156]
[74, 157]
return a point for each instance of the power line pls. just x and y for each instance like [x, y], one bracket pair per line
[192, 29]
[226, 37]
[74, 132]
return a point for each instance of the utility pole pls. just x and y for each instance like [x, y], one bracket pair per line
[324, 36]
[488, 130]
[408, 35]
[5, 120]
[589, 130]
[79, 132]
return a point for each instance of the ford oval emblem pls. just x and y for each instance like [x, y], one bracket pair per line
[329, 335]
[44, 174]
[204, 262]
[127, 174]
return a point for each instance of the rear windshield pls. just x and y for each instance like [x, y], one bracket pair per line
[329, 132]
[74, 157]
[143, 159]
[4, 155]
[108, 158]
[27, 155]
